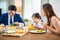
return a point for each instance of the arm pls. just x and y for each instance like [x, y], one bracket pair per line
[1, 18]
[37, 27]
[20, 20]
[54, 22]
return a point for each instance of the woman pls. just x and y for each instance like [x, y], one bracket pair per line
[53, 20]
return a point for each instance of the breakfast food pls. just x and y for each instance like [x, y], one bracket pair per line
[39, 31]
[30, 27]
[1, 27]
[10, 31]
[20, 31]
[11, 27]
[16, 31]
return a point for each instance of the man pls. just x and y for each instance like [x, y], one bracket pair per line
[11, 17]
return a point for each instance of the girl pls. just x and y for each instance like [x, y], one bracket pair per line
[53, 20]
[37, 21]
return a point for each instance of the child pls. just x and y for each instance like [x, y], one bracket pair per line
[36, 21]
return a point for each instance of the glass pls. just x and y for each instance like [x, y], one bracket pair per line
[20, 26]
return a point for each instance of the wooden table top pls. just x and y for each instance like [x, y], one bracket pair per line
[30, 36]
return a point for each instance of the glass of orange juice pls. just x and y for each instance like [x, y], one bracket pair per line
[30, 27]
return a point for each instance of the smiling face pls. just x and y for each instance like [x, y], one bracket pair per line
[35, 20]
[11, 12]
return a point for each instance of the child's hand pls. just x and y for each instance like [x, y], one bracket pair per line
[44, 25]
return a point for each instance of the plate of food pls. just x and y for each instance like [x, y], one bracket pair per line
[16, 32]
[37, 31]
[10, 31]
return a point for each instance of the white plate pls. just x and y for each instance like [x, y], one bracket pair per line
[12, 34]
[33, 31]
[10, 31]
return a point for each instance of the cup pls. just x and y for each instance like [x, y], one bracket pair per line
[21, 25]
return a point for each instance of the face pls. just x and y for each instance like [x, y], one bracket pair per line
[11, 12]
[43, 12]
[36, 20]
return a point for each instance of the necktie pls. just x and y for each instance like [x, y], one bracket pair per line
[10, 19]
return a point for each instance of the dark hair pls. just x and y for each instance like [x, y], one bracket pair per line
[37, 15]
[0, 12]
[12, 7]
[49, 12]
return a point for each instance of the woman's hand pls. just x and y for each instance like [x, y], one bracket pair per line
[44, 25]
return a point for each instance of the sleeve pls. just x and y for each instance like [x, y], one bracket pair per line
[21, 20]
[1, 19]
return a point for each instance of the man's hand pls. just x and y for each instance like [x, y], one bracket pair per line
[16, 23]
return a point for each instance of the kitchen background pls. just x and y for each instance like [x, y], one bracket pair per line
[27, 7]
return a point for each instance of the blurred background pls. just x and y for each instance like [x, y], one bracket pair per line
[28, 7]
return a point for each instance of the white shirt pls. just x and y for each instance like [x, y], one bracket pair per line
[38, 24]
[9, 19]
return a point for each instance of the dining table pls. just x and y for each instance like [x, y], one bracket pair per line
[32, 36]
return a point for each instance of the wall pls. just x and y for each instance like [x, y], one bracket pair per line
[30, 7]
[56, 6]
[43, 17]
[4, 5]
